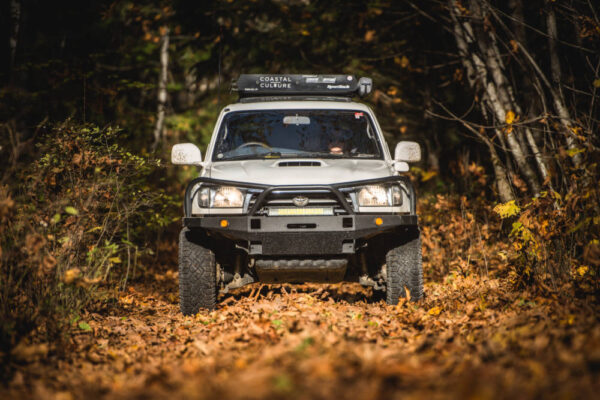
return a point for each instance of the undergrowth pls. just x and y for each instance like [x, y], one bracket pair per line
[82, 216]
[555, 237]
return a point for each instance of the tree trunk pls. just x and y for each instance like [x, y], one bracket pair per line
[510, 102]
[15, 18]
[162, 88]
[559, 99]
[502, 183]
[496, 95]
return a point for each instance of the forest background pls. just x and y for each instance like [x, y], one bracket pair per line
[501, 95]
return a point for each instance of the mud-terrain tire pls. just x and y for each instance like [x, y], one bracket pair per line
[197, 275]
[404, 269]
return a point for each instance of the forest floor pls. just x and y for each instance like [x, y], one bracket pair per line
[476, 334]
[470, 338]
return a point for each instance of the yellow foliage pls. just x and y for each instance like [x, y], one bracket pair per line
[510, 117]
[427, 175]
[402, 61]
[506, 210]
[574, 151]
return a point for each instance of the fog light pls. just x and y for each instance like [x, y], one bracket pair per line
[224, 223]
[378, 221]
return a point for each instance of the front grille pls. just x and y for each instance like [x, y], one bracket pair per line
[316, 198]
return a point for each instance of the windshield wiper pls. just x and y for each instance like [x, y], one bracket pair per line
[326, 154]
[240, 157]
[363, 155]
[261, 156]
[278, 154]
[323, 154]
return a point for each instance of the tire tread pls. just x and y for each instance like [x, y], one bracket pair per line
[197, 275]
[404, 269]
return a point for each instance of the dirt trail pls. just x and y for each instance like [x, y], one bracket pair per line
[470, 337]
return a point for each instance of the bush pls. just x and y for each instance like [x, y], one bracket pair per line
[78, 217]
[556, 236]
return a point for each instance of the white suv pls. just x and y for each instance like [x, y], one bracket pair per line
[298, 185]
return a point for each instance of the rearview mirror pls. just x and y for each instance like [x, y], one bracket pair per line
[186, 154]
[296, 120]
[407, 152]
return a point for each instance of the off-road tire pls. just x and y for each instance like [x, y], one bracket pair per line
[404, 269]
[197, 275]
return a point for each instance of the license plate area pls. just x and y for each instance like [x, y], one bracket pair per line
[298, 211]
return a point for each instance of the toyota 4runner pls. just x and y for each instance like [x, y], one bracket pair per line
[298, 185]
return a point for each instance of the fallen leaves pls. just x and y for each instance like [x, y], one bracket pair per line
[25, 352]
[475, 334]
[330, 341]
[434, 311]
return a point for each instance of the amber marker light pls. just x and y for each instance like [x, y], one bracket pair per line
[224, 223]
[378, 221]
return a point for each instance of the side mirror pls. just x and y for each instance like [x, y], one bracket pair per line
[401, 166]
[407, 152]
[186, 154]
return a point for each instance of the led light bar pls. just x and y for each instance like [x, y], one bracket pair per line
[332, 85]
[298, 211]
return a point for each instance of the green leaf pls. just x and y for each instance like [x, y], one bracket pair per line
[84, 326]
[71, 210]
[277, 322]
[56, 218]
[283, 383]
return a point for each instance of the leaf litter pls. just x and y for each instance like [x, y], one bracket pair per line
[476, 334]
[310, 341]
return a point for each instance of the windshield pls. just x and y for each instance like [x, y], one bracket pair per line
[296, 133]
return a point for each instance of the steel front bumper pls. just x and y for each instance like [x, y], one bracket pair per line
[305, 235]
[318, 235]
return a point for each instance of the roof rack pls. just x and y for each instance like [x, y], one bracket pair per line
[258, 99]
[253, 85]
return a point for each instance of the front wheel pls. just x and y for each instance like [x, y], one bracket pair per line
[404, 272]
[197, 275]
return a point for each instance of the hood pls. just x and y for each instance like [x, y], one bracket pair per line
[296, 171]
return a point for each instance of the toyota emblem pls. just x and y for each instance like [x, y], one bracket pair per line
[300, 201]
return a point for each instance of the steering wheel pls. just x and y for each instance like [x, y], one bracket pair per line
[255, 144]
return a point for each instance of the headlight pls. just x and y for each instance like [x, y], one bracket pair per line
[380, 196]
[221, 197]
[228, 197]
